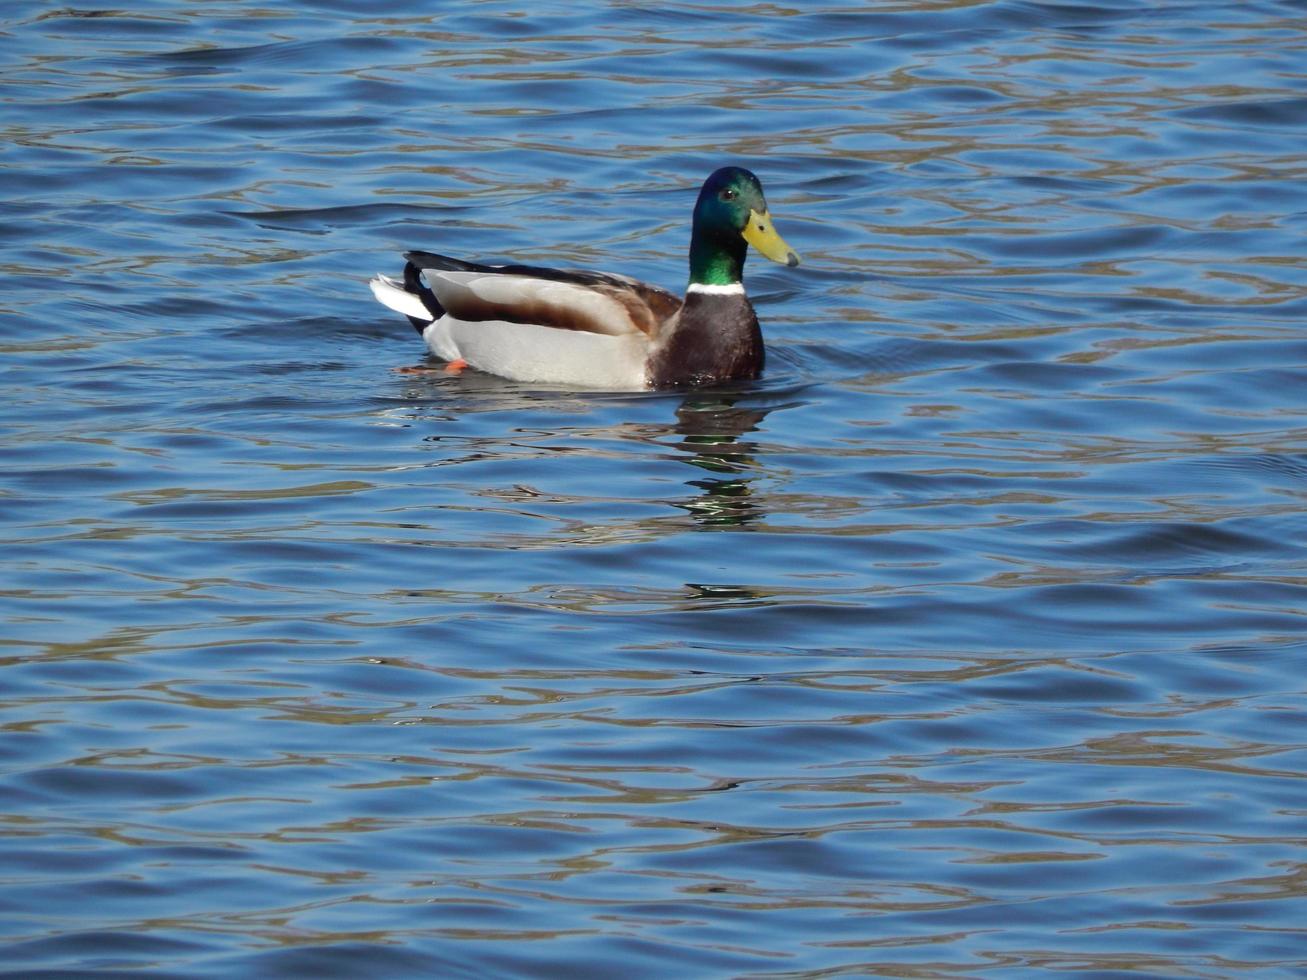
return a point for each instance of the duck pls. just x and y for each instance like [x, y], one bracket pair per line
[578, 328]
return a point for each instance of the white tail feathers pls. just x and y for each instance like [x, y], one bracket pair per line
[392, 294]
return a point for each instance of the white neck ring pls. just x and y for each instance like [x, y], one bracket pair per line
[733, 289]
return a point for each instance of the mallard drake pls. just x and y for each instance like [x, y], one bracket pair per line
[597, 329]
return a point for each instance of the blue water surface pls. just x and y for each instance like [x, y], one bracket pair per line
[970, 640]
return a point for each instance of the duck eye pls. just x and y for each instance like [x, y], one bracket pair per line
[728, 195]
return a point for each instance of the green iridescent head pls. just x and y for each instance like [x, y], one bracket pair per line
[730, 214]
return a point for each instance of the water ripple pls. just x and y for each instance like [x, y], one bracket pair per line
[988, 595]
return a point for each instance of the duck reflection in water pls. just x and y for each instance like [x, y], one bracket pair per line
[712, 428]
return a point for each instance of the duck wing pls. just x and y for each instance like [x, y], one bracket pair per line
[566, 299]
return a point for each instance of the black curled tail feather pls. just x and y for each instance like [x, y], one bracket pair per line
[413, 284]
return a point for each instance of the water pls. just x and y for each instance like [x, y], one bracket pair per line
[970, 640]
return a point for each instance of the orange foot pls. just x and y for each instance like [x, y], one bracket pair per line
[453, 367]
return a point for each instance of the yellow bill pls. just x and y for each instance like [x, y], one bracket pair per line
[761, 235]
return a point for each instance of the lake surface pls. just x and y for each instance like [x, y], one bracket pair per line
[971, 640]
